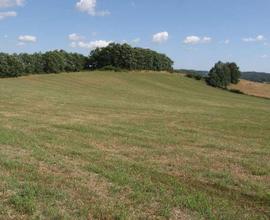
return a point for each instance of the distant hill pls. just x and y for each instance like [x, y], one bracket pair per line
[256, 76]
[252, 76]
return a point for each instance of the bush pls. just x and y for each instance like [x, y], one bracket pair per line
[223, 74]
[189, 75]
[198, 77]
[236, 91]
[194, 76]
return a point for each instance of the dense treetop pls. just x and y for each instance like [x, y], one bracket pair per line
[124, 56]
[223, 74]
[13, 65]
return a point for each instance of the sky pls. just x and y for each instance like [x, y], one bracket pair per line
[195, 34]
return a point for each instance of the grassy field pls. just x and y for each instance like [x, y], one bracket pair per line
[253, 88]
[103, 145]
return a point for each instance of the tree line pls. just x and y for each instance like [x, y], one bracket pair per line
[14, 65]
[121, 56]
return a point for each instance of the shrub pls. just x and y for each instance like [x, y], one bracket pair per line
[236, 91]
[194, 76]
[223, 74]
[198, 77]
[189, 75]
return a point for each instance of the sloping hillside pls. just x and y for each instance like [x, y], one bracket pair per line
[253, 88]
[103, 145]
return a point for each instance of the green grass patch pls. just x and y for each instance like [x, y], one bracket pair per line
[131, 145]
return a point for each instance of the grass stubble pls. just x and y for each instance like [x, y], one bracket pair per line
[143, 145]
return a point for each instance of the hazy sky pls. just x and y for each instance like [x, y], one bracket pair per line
[194, 33]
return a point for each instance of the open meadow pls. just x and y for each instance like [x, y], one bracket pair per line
[253, 88]
[131, 145]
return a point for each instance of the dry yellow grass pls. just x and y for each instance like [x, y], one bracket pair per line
[253, 88]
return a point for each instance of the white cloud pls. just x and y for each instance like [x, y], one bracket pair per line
[7, 4]
[256, 39]
[11, 3]
[192, 40]
[227, 41]
[27, 39]
[264, 56]
[89, 6]
[7, 14]
[75, 37]
[161, 37]
[206, 40]
[260, 38]
[90, 45]
[197, 40]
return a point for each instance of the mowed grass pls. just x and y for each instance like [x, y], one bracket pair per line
[105, 145]
[253, 88]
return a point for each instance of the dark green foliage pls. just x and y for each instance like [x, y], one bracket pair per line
[223, 74]
[115, 57]
[27, 63]
[124, 56]
[219, 76]
[73, 62]
[236, 91]
[10, 65]
[194, 76]
[235, 72]
[54, 62]
[13, 65]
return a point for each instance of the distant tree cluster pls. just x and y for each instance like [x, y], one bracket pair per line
[14, 65]
[123, 56]
[223, 74]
